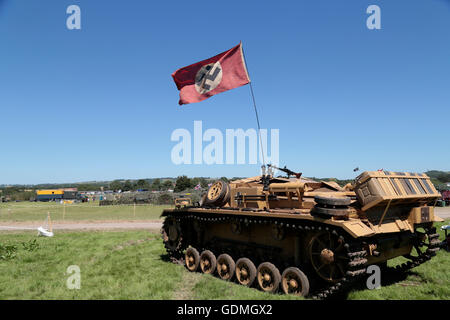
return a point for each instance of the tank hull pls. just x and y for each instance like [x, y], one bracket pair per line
[285, 240]
[304, 237]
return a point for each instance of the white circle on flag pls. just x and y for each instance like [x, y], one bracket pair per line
[208, 77]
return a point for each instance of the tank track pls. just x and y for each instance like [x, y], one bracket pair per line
[356, 254]
[175, 252]
[356, 271]
[432, 247]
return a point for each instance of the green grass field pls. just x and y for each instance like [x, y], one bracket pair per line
[133, 265]
[37, 211]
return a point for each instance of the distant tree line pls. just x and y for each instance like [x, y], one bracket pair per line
[180, 184]
[17, 193]
[141, 184]
[184, 183]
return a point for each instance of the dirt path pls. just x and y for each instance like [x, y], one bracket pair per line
[85, 225]
[443, 212]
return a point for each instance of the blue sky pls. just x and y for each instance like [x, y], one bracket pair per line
[99, 103]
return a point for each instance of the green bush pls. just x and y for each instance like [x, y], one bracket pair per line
[165, 198]
[31, 245]
[7, 251]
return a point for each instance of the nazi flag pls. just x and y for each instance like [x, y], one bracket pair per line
[203, 79]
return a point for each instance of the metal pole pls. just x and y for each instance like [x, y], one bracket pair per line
[49, 222]
[256, 110]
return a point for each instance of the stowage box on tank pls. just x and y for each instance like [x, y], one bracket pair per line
[301, 236]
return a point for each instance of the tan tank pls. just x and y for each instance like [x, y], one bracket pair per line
[301, 236]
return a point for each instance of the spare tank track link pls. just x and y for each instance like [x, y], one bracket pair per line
[423, 257]
[355, 252]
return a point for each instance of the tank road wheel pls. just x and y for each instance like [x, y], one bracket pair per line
[225, 267]
[330, 212]
[192, 259]
[218, 194]
[428, 240]
[208, 262]
[328, 207]
[294, 281]
[330, 202]
[245, 272]
[268, 277]
[171, 234]
[328, 256]
[425, 247]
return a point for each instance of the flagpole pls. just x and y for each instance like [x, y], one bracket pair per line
[254, 106]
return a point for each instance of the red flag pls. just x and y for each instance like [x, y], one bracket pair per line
[203, 79]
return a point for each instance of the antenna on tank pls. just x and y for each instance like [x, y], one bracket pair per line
[256, 110]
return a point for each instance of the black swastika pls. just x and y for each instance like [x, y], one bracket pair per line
[211, 77]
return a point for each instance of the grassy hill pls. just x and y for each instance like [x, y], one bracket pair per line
[439, 178]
